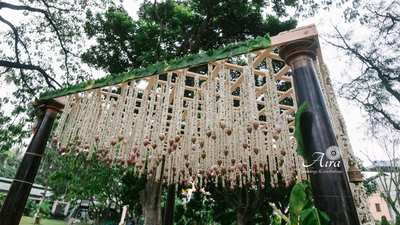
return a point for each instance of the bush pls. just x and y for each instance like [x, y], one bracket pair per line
[384, 221]
[2, 198]
[29, 207]
[397, 220]
[44, 210]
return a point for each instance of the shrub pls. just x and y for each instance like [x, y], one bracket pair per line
[29, 207]
[43, 210]
[384, 221]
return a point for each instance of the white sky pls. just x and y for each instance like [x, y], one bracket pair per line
[324, 21]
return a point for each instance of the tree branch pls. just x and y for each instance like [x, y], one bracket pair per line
[228, 199]
[382, 112]
[196, 46]
[368, 61]
[30, 67]
[16, 36]
[161, 33]
[20, 7]
[17, 39]
[65, 50]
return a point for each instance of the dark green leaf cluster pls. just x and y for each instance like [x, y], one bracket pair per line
[131, 186]
[384, 221]
[245, 205]
[41, 210]
[74, 178]
[297, 132]
[12, 131]
[10, 164]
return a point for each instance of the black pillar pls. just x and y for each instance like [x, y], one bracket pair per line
[18, 194]
[170, 206]
[330, 186]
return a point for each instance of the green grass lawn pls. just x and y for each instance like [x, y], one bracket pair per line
[29, 221]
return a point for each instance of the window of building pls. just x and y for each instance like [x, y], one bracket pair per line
[378, 207]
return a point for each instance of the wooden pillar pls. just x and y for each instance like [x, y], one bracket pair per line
[330, 186]
[18, 194]
[170, 206]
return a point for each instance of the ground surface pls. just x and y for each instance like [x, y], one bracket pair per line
[29, 221]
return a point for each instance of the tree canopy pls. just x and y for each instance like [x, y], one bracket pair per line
[375, 88]
[173, 29]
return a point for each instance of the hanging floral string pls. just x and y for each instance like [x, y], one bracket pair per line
[210, 135]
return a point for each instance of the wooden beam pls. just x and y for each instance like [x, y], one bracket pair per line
[280, 73]
[262, 56]
[286, 94]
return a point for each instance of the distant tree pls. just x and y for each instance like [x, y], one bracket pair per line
[375, 88]
[172, 29]
[9, 164]
[131, 186]
[13, 130]
[78, 178]
[245, 202]
[40, 50]
[370, 184]
[199, 209]
[388, 175]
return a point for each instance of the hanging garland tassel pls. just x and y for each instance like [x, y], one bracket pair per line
[209, 134]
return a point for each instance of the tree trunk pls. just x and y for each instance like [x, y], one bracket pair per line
[44, 193]
[150, 199]
[266, 217]
[242, 218]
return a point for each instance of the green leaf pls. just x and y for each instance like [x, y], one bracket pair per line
[297, 131]
[160, 67]
[173, 64]
[141, 73]
[190, 60]
[130, 75]
[201, 58]
[300, 199]
[313, 216]
[182, 63]
[117, 79]
[151, 70]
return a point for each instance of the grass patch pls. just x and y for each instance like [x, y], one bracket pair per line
[29, 221]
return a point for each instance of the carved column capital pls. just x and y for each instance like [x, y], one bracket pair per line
[298, 50]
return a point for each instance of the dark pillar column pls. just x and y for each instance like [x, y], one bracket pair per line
[170, 206]
[18, 194]
[328, 178]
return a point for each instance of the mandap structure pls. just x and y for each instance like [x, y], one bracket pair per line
[226, 114]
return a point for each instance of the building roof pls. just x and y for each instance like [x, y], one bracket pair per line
[36, 191]
[384, 164]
